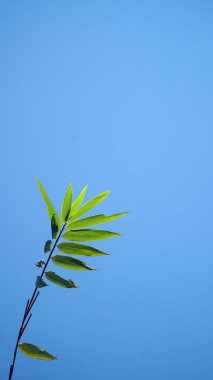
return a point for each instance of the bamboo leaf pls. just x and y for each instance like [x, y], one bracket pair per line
[70, 263]
[54, 227]
[49, 212]
[40, 282]
[53, 277]
[50, 208]
[89, 235]
[40, 263]
[77, 202]
[35, 352]
[66, 205]
[93, 220]
[47, 246]
[79, 249]
[89, 205]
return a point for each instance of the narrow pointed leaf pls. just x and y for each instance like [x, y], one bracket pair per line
[77, 202]
[53, 277]
[79, 249]
[54, 227]
[35, 352]
[89, 235]
[89, 205]
[93, 220]
[47, 246]
[49, 212]
[50, 208]
[40, 282]
[70, 263]
[66, 205]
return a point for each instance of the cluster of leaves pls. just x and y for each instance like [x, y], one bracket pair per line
[73, 229]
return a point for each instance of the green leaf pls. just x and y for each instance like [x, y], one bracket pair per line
[53, 277]
[66, 205]
[40, 282]
[93, 220]
[49, 213]
[89, 205]
[54, 227]
[77, 202]
[70, 263]
[47, 246]
[50, 208]
[40, 263]
[88, 235]
[79, 249]
[35, 352]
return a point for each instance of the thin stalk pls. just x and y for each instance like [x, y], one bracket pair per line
[29, 305]
[24, 327]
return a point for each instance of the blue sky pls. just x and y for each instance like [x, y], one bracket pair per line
[116, 94]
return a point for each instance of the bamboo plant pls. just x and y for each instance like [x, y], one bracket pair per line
[73, 229]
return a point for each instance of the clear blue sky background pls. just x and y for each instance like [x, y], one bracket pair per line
[116, 94]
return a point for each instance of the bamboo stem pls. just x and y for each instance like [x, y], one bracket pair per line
[29, 305]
